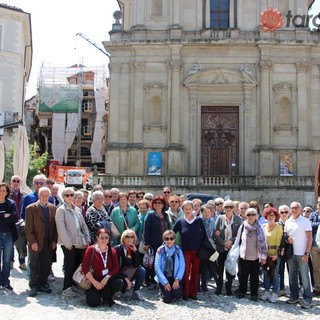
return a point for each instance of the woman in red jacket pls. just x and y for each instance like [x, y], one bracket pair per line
[105, 277]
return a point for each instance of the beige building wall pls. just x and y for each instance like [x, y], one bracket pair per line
[167, 64]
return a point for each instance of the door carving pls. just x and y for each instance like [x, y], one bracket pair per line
[219, 140]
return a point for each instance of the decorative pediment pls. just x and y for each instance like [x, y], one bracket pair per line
[219, 77]
[284, 86]
[155, 86]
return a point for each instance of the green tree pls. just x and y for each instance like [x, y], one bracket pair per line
[36, 162]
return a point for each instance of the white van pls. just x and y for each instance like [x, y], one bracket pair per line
[74, 178]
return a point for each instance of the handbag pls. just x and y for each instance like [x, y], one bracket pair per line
[79, 278]
[285, 249]
[141, 245]
[148, 259]
[206, 249]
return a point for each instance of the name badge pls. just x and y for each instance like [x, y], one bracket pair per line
[105, 272]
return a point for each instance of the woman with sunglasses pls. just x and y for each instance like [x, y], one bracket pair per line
[105, 277]
[155, 224]
[253, 253]
[73, 235]
[129, 261]
[226, 229]
[169, 268]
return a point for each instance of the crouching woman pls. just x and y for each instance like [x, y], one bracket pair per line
[169, 268]
[105, 278]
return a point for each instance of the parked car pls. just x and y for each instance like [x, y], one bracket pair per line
[89, 182]
[74, 178]
[202, 196]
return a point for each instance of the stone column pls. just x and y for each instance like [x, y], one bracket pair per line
[266, 154]
[265, 67]
[193, 150]
[137, 116]
[302, 102]
[175, 102]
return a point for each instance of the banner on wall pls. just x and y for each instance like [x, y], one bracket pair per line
[286, 164]
[154, 163]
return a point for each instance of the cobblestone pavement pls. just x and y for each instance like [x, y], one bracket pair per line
[17, 305]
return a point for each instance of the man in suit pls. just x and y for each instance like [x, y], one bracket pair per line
[41, 233]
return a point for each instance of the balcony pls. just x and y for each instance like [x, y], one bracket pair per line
[87, 131]
[87, 107]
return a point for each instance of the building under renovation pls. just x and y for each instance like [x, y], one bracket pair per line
[73, 111]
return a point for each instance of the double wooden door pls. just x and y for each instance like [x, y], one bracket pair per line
[220, 140]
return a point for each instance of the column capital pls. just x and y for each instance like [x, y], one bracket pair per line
[264, 65]
[139, 66]
[175, 65]
[303, 66]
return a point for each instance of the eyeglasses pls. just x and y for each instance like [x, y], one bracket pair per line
[129, 237]
[16, 181]
[251, 215]
[149, 199]
[166, 192]
[294, 208]
[228, 207]
[169, 239]
[39, 183]
[284, 212]
[174, 201]
[104, 238]
[219, 204]
[69, 195]
[157, 202]
[306, 210]
[108, 196]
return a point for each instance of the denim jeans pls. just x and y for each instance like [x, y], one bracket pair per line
[296, 267]
[139, 278]
[276, 279]
[6, 252]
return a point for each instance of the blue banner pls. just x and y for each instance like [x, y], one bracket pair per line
[154, 163]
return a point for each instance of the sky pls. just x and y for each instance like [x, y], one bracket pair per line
[54, 28]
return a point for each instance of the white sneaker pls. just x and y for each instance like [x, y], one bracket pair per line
[273, 297]
[69, 293]
[265, 296]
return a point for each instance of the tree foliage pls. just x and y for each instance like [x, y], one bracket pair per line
[36, 162]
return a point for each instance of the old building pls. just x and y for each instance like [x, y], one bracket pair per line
[15, 67]
[204, 85]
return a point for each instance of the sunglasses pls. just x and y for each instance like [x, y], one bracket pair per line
[108, 196]
[69, 195]
[306, 210]
[251, 215]
[39, 183]
[166, 192]
[284, 212]
[169, 239]
[174, 201]
[104, 238]
[149, 199]
[157, 202]
[219, 204]
[229, 207]
[129, 237]
[16, 181]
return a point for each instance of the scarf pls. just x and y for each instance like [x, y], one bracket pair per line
[228, 228]
[261, 238]
[168, 262]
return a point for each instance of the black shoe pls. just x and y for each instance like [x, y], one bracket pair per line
[111, 302]
[229, 293]
[185, 298]
[254, 298]
[193, 297]
[241, 295]
[217, 292]
[33, 292]
[8, 287]
[45, 289]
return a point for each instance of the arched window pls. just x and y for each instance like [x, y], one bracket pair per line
[219, 14]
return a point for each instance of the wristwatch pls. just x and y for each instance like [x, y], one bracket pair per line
[307, 254]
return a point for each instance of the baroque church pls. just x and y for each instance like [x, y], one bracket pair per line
[205, 85]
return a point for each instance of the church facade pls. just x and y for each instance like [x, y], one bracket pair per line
[205, 85]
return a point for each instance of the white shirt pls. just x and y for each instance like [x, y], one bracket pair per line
[297, 230]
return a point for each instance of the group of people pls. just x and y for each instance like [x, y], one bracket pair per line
[113, 233]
